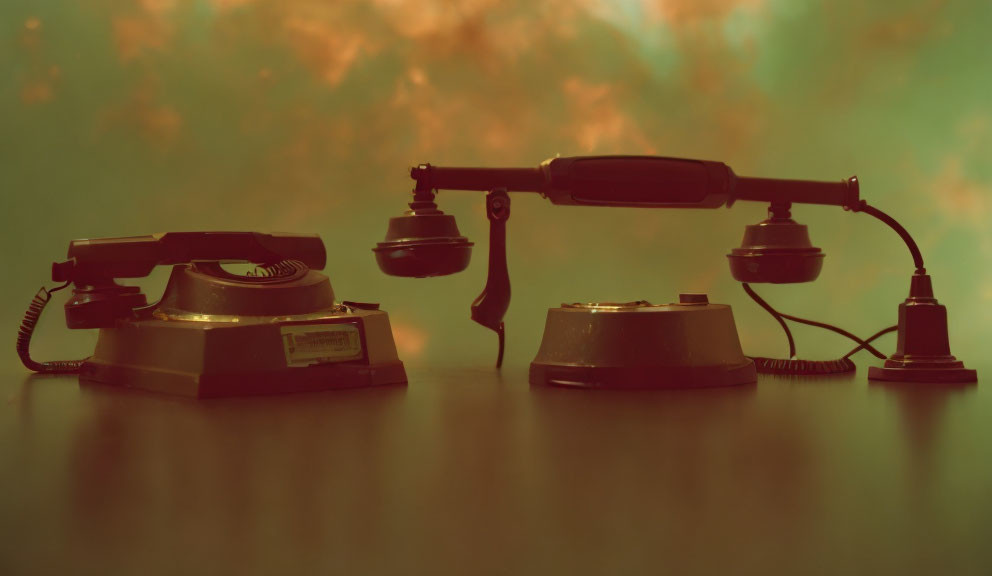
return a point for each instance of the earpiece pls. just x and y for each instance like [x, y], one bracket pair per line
[423, 242]
[776, 250]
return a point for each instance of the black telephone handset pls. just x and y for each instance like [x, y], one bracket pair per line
[93, 265]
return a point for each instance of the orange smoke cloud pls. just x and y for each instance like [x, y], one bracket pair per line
[411, 341]
[35, 92]
[325, 46]
[137, 36]
[600, 123]
[221, 5]
[39, 85]
[156, 122]
[961, 200]
[679, 12]
[425, 18]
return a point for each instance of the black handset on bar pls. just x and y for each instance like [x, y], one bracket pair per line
[426, 242]
[637, 181]
[93, 265]
[100, 259]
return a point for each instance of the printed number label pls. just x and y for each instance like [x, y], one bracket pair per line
[316, 343]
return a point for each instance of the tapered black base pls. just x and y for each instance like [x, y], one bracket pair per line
[923, 353]
[936, 375]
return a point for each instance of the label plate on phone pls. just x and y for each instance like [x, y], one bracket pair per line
[306, 344]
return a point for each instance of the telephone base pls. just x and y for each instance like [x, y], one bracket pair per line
[630, 377]
[943, 375]
[689, 344]
[311, 379]
[248, 355]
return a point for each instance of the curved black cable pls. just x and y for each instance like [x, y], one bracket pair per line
[788, 333]
[910, 243]
[862, 344]
[873, 337]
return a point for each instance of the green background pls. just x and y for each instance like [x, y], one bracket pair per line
[132, 117]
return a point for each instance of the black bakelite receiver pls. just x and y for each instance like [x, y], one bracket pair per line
[425, 242]
[93, 264]
[776, 250]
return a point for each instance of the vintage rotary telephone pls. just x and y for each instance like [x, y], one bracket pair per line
[426, 242]
[215, 332]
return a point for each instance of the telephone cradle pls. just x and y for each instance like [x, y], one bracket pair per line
[215, 333]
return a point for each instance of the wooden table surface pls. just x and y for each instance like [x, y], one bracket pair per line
[471, 471]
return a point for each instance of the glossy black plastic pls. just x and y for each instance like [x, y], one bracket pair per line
[421, 244]
[776, 251]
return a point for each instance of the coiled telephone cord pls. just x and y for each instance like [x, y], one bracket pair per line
[793, 365]
[24, 333]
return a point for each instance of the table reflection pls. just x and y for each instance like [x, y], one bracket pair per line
[470, 467]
